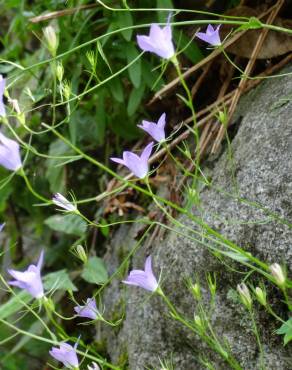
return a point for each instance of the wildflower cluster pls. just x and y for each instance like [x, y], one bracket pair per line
[160, 43]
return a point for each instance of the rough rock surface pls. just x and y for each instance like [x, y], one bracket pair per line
[250, 196]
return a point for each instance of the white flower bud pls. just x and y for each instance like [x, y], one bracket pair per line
[60, 71]
[81, 254]
[244, 295]
[51, 39]
[261, 296]
[278, 273]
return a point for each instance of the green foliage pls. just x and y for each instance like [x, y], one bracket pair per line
[94, 271]
[69, 125]
[14, 304]
[59, 280]
[286, 330]
[68, 224]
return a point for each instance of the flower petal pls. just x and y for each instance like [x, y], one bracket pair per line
[147, 152]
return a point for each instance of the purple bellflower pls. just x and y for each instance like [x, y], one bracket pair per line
[2, 226]
[30, 280]
[66, 354]
[9, 153]
[64, 203]
[89, 310]
[158, 42]
[156, 130]
[144, 279]
[137, 165]
[211, 36]
[2, 89]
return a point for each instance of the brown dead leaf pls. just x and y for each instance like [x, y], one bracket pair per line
[275, 44]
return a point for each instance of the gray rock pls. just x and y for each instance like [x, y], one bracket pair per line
[250, 203]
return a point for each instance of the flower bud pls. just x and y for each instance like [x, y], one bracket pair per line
[212, 284]
[222, 117]
[196, 290]
[60, 71]
[198, 322]
[15, 105]
[51, 39]
[49, 304]
[261, 296]
[244, 295]
[66, 90]
[81, 254]
[278, 273]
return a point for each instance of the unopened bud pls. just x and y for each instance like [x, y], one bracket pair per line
[244, 295]
[51, 39]
[222, 117]
[81, 254]
[196, 290]
[59, 71]
[198, 322]
[212, 284]
[261, 296]
[15, 105]
[49, 304]
[278, 273]
[67, 90]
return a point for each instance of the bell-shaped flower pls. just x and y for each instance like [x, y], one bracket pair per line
[158, 42]
[2, 226]
[30, 279]
[64, 203]
[9, 153]
[89, 310]
[156, 130]
[144, 279]
[2, 89]
[137, 165]
[66, 354]
[211, 36]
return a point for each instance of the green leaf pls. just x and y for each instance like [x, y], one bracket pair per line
[135, 69]
[94, 271]
[125, 19]
[135, 99]
[68, 224]
[14, 305]
[252, 24]
[164, 4]
[236, 256]
[55, 173]
[101, 116]
[102, 54]
[116, 89]
[58, 280]
[189, 47]
[5, 192]
[286, 329]
[152, 78]
[187, 103]
[104, 230]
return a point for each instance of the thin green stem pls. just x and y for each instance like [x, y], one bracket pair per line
[255, 330]
[182, 210]
[56, 343]
[30, 188]
[214, 345]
